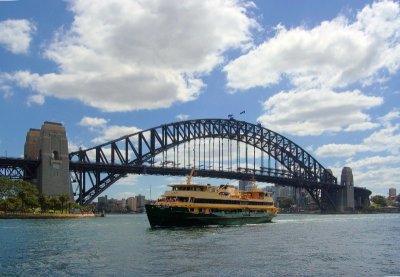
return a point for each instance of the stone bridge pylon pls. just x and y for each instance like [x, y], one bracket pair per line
[49, 145]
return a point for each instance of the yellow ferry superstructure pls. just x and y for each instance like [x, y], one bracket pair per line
[199, 205]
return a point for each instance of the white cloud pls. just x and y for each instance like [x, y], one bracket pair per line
[105, 132]
[93, 122]
[72, 146]
[333, 54]
[389, 117]
[375, 161]
[16, 35]
[6, 90]
[134, 55]
[113, 132]
[129, 180]
[386, 139]
[340, 150]
[314, 112]
[376, 173]
[35, 99]
[319, 61]
[182, 117]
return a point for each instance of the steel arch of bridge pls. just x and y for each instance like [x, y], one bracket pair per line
[97, 168]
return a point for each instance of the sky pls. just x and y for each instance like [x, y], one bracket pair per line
[325, 74]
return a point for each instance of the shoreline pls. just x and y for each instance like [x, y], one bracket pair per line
[45, 216]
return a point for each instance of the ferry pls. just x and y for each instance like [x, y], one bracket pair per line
[190, 204]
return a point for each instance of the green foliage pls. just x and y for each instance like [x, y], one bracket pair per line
[5, 187]
[379, 200]
[54, 203]
[43, 202]
[64, 198]
[17, 196]
[88, 208]
[12, 204]
[22, 196]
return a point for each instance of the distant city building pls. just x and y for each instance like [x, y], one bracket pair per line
[271, 190]
[392, 193]
[285, 191]
[140, 201]
[131, 204]
[102, 204]
[116, 205]
[301, 199]
[245, 184]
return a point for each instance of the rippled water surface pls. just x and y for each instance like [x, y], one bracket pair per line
[124, 245]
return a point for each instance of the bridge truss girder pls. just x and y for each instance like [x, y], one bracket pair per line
[15, 168]
[97, 168]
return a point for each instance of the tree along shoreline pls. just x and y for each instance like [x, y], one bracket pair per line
[21, 199]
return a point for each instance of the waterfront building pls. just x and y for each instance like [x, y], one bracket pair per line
[301, 199]
[102, 204]
[140, 202]
[392, 193]
[285, 191]
[131, 204]
[116, 205]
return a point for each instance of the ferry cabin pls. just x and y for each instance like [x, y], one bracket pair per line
[206, 199]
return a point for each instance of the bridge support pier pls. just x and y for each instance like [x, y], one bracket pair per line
[348, 198]
[49, 145]
[361, 198]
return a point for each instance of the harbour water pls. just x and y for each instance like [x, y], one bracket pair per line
[124, 245]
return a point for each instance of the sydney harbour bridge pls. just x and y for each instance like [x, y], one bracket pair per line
[216, 148]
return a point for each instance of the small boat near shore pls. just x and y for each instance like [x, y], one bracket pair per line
[190, 204]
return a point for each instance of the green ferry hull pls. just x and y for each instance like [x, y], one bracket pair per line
[165, 216]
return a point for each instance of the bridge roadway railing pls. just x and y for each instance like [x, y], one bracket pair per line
[272, 175]
[116, 171]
